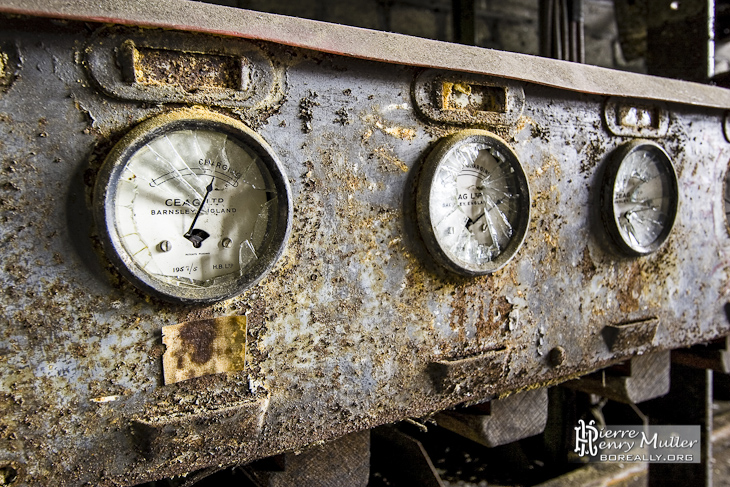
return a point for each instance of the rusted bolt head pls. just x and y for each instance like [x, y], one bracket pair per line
[557, 356]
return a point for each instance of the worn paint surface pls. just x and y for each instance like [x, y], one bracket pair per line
[356, 325]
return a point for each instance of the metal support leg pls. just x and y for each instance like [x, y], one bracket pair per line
[642, 378]
[344, 462]
[500, 421]
[689, 402]
[681, 39]
[562, 30]
[402, 460]
[464, 18]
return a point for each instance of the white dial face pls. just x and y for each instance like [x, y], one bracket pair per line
[644, 198]
[478, 205]
[192, 206]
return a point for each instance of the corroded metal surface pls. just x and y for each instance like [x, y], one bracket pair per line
[356, 326]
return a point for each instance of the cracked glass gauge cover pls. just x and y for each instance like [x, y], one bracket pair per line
[193, 206]
[640, 197]
[473, 203]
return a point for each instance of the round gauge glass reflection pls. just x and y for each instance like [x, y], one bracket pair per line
[644, 197]
[474, 203]
[194, 208]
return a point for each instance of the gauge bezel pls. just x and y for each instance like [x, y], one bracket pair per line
[610, 217]
[278, 228]
[502, 152]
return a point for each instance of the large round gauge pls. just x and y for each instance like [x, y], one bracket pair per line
[640, 197]
[473, 203]
[193, 206]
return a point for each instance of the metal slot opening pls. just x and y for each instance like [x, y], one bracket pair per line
[191, 71]
[637, 117]
[473, 97]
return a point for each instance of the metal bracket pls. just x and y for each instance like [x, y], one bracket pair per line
[500, 421]
[169, 432]
[633, 337]
[640, 379]
[636, 118]
[475, 373]
[468, 99]
[344, 462]
[177, 67]
[714, 355]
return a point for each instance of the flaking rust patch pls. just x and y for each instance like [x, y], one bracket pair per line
[205, 347]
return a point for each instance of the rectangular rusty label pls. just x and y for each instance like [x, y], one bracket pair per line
[198, 348]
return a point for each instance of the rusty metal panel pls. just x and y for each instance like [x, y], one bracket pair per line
[356, 325]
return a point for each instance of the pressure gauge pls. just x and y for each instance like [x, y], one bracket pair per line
[193, 206]
[473, 203]
[640, 197]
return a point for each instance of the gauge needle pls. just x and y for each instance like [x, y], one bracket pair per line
[194, 235]
[484, 212]
[472, 222]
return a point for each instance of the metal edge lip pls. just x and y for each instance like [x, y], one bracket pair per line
[374, 45]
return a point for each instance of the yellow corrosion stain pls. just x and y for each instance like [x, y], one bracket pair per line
[551, 162]
[354, 183]
[464, 88]
[513, 276]
[446, 88]
[3, 64]
[550, 240]
[400, 132]
[540, 385]
[383, 153]
[523, 122]
[403, 133]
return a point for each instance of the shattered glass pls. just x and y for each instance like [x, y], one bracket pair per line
[642, 198]
[474, 203]
[192, 207]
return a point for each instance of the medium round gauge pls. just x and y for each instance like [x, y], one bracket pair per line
[193, 206]
[473, 203]
[640, 197]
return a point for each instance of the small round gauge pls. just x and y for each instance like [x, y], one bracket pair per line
[473, 203]
[640, 197]
[193, 206]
